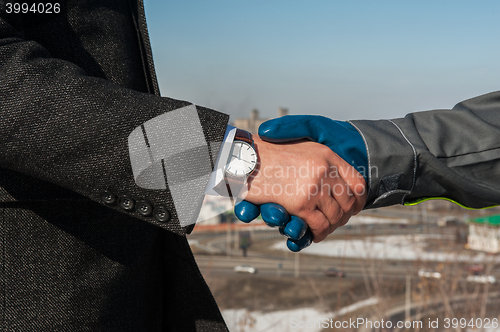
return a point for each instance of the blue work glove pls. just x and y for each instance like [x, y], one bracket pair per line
[274, 215]
[341, 137]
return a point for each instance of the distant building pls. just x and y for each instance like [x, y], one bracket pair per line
[252, 123]
[484, 234]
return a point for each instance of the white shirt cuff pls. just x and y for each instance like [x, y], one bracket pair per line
[220, 166]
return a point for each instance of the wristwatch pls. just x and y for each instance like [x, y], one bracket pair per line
[241, 164]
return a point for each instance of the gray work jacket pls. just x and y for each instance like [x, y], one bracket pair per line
[452, 154]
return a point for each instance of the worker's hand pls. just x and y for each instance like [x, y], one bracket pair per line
[274, 215]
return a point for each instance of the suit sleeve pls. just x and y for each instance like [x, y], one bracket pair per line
[451, 154]
[68, 129]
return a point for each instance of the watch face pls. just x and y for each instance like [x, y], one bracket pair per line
[242, 159]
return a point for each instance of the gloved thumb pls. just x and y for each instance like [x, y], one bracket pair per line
[341, 137]
[290, 128]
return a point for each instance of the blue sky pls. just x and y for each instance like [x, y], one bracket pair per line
[342, 59]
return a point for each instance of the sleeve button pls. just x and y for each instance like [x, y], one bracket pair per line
[161, 214]
[144, 208]
[126, 203]
[108, 197]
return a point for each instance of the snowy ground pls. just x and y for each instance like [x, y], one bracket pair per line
[394, 247]
[365, 220]
[303, 319]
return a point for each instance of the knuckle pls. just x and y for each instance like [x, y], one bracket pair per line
[350, 205]
[336, 216]
[316, 224]
[333, 228]
[344, 221]
[322, 231]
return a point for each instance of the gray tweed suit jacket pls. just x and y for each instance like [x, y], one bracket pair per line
[83, 247]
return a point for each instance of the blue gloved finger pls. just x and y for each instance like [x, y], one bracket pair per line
[274, 215]
[298, 245]
[295, 229]
[246, 211]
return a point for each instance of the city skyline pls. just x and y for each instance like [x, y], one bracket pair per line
[345, 60]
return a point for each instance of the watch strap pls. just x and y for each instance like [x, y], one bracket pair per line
[243, 135]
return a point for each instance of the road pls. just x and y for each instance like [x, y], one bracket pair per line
[221, 255]
[308, 265]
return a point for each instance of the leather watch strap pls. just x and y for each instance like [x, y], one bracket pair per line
[243, 135]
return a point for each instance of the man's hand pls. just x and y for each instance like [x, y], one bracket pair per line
[310, 181]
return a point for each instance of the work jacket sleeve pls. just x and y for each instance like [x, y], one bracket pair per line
[451, 154]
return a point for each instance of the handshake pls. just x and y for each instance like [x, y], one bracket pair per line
[310, 179]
